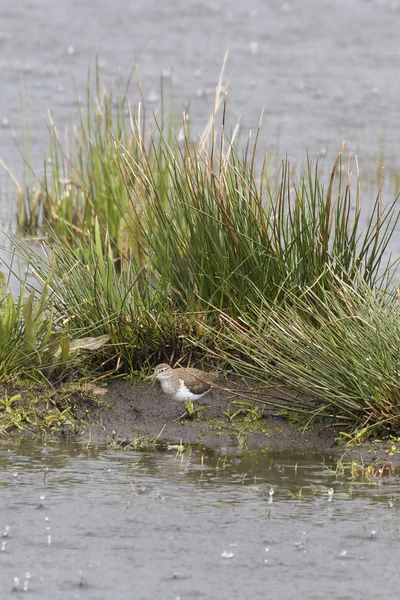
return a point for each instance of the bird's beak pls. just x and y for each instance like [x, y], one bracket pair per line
[149, 377]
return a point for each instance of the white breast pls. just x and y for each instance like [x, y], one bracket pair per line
[184, 393]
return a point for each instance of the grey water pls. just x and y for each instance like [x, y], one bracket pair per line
[324, 71]
[88, 522]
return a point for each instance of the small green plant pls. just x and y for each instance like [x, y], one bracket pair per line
[296, 496]
[192, 411]
[247, 410]
[180, 448]
[367, 473]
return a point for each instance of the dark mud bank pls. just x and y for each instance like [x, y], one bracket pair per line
[130, 411]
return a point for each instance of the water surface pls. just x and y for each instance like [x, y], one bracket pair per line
[324, 71]
[87, 522]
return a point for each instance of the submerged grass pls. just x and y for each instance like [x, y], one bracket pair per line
[162, 247]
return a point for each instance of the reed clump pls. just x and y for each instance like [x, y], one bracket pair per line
[171, 245]
[332, 354]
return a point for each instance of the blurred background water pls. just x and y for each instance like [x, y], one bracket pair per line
[325, 72]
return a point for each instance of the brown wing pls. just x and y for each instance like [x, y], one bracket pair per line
[199, 381]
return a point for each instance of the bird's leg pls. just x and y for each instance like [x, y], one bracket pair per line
[181, 418]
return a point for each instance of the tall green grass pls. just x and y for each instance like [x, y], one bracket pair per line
[204, 215]
[35, 343]
[220, 235]
[97, 296]
[335, 354]
[199, 223]
[164, 245]
[82, 182]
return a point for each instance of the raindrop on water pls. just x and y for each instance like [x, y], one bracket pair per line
[270, 493]
[26, 582]
[153, 96]
[299, 545]
[254, 48]
[226, 554]
[330, 494]
[16, 584]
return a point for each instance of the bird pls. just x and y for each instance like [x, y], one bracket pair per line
[184, 384]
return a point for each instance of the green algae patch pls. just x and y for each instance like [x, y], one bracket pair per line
[240, 425]
[40, 411]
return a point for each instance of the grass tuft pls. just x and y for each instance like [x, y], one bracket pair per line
[160, 246]
[334, 355]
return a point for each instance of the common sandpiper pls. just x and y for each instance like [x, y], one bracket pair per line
[184, 384]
